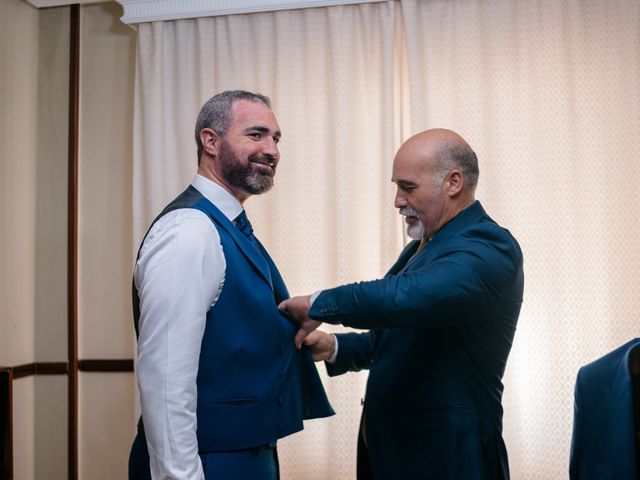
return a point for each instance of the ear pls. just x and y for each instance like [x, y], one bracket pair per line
[454, 182]
[210, 141]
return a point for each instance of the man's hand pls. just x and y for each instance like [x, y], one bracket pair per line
[321, 344]
[298, 309]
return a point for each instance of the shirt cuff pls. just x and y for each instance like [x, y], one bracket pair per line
[332, 358]
[313, 297]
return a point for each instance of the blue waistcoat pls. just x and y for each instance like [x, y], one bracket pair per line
[253, 385]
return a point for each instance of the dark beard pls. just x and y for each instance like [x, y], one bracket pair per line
[244, 176]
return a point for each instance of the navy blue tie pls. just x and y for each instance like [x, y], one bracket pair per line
[244, 225]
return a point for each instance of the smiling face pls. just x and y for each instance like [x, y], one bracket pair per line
[244, 160]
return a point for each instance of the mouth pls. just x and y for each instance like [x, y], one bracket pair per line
[409, 215]
[265, 161]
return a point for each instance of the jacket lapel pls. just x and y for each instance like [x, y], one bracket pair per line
[248, 250]
[280, 291]
[416, 257]
[470, 215]
[404, 257]
[258, 262]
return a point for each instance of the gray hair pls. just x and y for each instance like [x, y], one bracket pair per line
[216, 112]
[457, 155]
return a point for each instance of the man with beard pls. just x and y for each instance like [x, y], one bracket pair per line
[219, 377]
[440, 326]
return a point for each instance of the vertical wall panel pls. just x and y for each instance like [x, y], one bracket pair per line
[24, 442]
[106, 423]
[50, 442]
[106, 427]
[50, 301]
[18, 147]
[18, 161]
[104, 250]
[51, 182]
[51, 397]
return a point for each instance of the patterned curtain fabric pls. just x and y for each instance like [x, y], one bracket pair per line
[548, 94]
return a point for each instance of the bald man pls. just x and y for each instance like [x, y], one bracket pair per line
[439, 325]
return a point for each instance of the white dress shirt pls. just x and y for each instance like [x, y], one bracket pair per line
[179, 276]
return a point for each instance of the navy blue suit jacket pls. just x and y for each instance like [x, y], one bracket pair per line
[441, 325]
[603, 443]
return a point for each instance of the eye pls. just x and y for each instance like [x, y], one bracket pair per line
[255, 135]
[276, 139]
[407, 187]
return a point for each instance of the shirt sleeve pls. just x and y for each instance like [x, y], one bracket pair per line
[179, 276]
[332, 358]
[334, 355]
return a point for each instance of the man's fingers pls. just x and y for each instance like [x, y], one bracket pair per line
[300, 336]
[311, 339]
[284, 306]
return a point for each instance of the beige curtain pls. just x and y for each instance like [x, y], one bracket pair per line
[329, 218]
[548, 94]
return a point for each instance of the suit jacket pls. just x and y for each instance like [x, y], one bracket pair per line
[603, 443]
[441, 324]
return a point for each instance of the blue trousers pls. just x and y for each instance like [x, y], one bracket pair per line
[259, 463]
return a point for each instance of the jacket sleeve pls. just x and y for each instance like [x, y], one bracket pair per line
[354, 353]
[576, 436]
[475, 271]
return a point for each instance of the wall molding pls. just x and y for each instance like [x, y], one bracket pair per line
[138, 11]
[106, 365]
[40, 368]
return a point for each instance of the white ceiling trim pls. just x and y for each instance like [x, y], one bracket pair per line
[57, 3]
[137, 11]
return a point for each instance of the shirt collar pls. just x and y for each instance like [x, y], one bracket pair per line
[222, 199]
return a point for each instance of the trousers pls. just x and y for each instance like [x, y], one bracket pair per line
[259, 463]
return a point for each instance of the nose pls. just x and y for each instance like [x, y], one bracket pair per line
[270, 148]
[400, 200]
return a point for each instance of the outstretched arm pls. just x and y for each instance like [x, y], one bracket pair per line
[474, 274]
